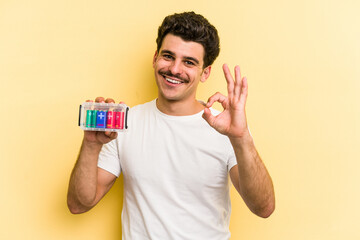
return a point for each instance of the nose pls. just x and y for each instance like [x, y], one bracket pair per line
[175, 67]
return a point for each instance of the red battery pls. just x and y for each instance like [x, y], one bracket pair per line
[119, 120]
[122, 114]
[110, 119]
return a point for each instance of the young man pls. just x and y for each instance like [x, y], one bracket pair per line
[177, 153]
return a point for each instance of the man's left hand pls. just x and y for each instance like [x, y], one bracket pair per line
[232, 120]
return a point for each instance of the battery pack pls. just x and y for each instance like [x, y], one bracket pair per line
[110, 117]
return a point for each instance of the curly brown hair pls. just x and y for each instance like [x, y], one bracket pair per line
[192, 27]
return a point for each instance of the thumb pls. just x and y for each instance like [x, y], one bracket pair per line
[208, 116]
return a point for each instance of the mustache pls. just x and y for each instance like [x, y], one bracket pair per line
[169, 74]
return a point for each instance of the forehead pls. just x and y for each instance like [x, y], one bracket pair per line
[182, 48]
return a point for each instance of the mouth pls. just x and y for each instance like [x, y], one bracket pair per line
[173, 81]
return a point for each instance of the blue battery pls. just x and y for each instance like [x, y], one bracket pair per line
[101, 119]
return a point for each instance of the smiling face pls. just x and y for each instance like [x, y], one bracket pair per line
[178, 69]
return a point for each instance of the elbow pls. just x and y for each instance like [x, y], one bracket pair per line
[268, 207]
[75, 208]
[266, 211]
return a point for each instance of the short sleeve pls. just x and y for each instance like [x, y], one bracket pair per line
[231, 159]
[109, 158]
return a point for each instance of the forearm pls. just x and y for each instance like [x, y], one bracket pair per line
[83, 180]
[254, 182]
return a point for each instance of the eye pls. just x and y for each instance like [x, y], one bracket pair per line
[187, 62]
[168, 56]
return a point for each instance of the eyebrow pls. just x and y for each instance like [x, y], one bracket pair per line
[186, 58]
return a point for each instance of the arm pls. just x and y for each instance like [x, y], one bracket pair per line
[252, 180]
[88, 183]
[249, 176]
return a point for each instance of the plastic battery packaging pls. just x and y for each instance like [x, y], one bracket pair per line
[103, 117]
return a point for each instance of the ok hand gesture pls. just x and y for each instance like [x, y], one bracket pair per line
[232, 121]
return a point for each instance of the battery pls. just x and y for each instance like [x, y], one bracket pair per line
[101, 119]
[119, 120]
[110, 119]
[93, 120]
[89, 118]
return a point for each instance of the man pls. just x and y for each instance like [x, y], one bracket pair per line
[178, 152]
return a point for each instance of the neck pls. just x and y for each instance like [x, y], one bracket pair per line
[179, 108]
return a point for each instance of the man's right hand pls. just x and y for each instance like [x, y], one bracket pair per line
[97, 137]
[89, 183]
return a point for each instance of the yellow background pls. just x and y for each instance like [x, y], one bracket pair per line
[302, 62]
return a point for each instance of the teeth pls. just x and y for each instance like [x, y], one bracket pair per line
[173, 81]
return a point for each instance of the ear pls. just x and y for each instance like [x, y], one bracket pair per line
[205, 74]
[154, 58]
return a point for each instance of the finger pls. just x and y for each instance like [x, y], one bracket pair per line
[208, 117]
[109, 100]
[244, 91]
[89, 100]
[229, 80]
[217, 97]
[99, 99]
[111, 135]
[238, 82]
[122, 102]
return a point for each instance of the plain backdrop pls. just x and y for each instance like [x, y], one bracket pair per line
[301, 59]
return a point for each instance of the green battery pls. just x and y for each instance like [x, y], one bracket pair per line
[93, 118]
[89, 118]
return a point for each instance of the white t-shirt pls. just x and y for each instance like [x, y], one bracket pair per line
[175, 172]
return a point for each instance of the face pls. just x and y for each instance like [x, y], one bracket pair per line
[179, 68]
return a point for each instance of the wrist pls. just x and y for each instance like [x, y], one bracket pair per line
[91, 146]
[242, 140]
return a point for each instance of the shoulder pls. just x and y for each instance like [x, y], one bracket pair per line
[141, 113]
[143, 107]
